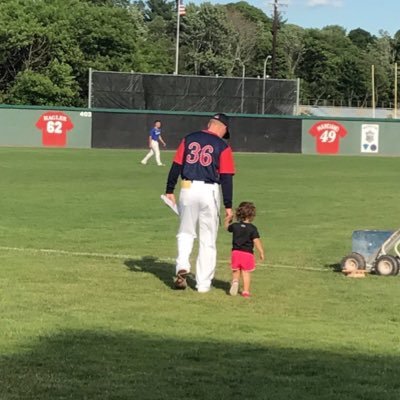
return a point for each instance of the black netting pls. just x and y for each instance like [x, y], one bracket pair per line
[193, 93]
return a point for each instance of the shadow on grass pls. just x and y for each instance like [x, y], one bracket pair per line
[165, 272]
[132, 365]
[334, 267]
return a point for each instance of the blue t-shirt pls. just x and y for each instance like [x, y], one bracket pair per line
[155, 134]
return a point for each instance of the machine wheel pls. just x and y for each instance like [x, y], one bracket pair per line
[353, 262]
[386, 266]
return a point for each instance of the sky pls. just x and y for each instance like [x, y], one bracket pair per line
[371, 15]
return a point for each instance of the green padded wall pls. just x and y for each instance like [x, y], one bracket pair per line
[352, 137]
[45, 127]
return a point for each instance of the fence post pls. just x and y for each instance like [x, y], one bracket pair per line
[298, 97]
[90, 88]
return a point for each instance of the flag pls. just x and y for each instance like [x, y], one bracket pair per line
[181, 9]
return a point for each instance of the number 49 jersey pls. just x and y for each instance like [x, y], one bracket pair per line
[204, 156]
[327, 135]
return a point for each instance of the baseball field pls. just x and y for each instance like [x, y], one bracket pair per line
[86, 262]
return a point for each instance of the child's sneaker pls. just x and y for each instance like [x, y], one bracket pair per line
[233, 291]
[246, 294]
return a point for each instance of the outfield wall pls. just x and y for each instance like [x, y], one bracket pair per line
[130, 130]
[127, 129]
[351, 136]
[39, 127]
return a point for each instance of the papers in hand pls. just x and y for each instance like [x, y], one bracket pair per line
[170, 204]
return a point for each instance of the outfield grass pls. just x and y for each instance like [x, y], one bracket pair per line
[75, 326]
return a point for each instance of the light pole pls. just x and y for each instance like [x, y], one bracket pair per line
[178, 25]
[395, 88]
[180, 12]
[264, 78]
[373, 89]
[243, 76]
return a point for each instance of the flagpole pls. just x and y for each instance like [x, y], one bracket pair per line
[178, 22]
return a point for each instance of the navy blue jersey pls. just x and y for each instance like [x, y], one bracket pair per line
[203, 157]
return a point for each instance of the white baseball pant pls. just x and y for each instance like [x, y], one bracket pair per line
[199, 204]
[155, 149]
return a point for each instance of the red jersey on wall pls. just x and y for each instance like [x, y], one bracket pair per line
[54, 126]
[327, 136]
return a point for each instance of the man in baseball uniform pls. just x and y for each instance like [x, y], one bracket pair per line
[204, 161]
[154, 138]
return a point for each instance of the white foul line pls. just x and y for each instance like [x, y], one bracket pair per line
[136, 257]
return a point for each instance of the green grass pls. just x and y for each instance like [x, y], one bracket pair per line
[92, 327]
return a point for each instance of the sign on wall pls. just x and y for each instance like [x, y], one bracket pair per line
[369, 138]
[54, 126]
[33, 127]
[327, 136]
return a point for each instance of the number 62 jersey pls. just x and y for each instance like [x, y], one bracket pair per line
[203, 157]
[54, 126]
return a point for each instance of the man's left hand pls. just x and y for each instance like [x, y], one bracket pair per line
[228, 214]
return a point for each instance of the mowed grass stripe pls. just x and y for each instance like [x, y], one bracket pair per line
[134, 257]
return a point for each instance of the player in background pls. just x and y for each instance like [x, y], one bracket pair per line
[154, 138]
[205, 162]
[244, 237]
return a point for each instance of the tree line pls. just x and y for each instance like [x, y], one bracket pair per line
[48, 46]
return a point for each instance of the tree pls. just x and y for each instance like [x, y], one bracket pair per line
[25, 42]
[292, 45]
[396, 45]
[381, 54]
[353, 84]
[160, 8]
[53, 86]
[329, 66]
[251, 13]
[48, 46]
[69, 36]
[246, 36]
[361, 38]
[158, 48]
[252, 41]
[319, 67]
[206, 50]
[110, 3]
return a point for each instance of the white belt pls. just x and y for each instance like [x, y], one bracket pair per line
[204, 183]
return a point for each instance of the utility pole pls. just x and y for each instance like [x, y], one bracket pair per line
[275, 28]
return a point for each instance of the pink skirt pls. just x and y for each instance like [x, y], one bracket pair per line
[242, 260]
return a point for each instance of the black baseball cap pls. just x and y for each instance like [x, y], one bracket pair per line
[223, 118]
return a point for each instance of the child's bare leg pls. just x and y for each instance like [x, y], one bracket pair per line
[246, 281]
[233, 291]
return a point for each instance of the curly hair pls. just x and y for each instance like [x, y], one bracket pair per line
[246, 210]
